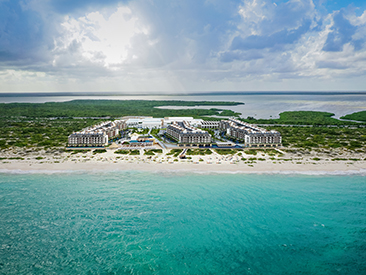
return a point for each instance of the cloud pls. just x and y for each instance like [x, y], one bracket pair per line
[331, 65]
[276, 39]
[230, 56]
[96, 38]
[180, 44]
[340, 34]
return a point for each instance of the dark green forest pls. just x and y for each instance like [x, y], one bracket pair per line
[112, 108]
[358, 116]
[302, 118]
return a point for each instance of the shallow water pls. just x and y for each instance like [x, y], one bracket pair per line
[174, 223]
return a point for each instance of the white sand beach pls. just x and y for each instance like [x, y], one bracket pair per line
[237, 163]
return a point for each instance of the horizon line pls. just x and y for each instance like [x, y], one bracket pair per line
[217, 93]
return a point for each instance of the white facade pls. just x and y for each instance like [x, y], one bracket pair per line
[88, 139]
[96, 135]
[145, 122]
[192, 121]
[184, 133]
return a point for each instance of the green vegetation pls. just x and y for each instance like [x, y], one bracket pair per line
[302, 118]
[122, 152]
[135, 152]
[174, 152]
[16, 158]
[139, 131]
[199, 152]
[323, 137]
[112, 108]
[39, 132]
[358, 116]
[39, 158]
[250, 152]
[48, 125]
[337, 159]
[226, 151]
[99, 151]
[152, 152]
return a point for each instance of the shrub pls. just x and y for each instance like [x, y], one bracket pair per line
[123, 152]
[225, 151]
[99, 151]
[251, 152]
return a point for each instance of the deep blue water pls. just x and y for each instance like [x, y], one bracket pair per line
[171, 223]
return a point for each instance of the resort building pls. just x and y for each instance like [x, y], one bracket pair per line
[145, 122]
[252, 135]
[190, 120]
[209, 124]
[97, 135]
[88, 139]
[184, 133]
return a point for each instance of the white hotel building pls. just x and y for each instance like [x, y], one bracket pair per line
[97, 135]
[253, 136]
[184, 133]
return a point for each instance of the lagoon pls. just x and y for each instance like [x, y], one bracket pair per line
[257, 104]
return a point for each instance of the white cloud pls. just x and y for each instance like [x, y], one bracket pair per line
[98, 39]
[189, 45]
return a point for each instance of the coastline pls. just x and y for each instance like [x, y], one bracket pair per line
[108, 162]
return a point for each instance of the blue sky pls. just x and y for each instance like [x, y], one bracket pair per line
[175, 46]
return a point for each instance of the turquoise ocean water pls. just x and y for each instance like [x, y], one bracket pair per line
[174, 223]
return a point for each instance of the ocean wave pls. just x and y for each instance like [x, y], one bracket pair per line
[360, 172]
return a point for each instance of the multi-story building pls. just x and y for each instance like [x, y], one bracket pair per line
[97, 135]
[208, 124]
[184, 133]
[253, 136]
[88, 139]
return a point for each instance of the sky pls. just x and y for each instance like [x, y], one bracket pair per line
[182, 46]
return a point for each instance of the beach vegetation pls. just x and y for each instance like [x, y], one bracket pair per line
[152, 152]
[200, 152]
[322, 137]
[99, 151]
[174, 152]
[250, 152]
[225, 151]
[122, 152]
[135, 152]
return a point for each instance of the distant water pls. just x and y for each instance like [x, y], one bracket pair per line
[173, 223]
[257, 104]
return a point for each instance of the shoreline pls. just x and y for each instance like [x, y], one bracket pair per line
[320, 168]
[289, 162]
